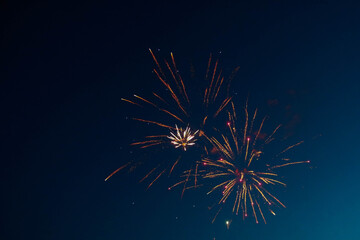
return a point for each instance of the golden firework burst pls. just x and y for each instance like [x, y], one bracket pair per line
[234, 167]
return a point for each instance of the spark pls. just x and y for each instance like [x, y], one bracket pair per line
[227, 222]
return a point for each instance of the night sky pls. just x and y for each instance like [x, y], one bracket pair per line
[65, 65]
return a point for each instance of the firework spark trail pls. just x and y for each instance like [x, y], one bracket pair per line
[290, 147]
[122, 167]
[216, 215]
[174, 77]
[156, 179]
[156, 95]
[222, 106]
[157, 107]
[153, 122]
[173, 166]
[218, 89]
[216, 86]
[236, 172]
[179, 76]
[147, 101]
[147, 144]
[211, 83]
[287, 164]
[154, 140]
[148, 174]
[186, 181]
[129, 101]
[269, 139]
[196, 173]
[174, 96]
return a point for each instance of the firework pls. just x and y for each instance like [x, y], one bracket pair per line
[240, 179]
[179, 108]
[183, 138]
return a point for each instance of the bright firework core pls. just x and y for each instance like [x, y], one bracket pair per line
[183, 137]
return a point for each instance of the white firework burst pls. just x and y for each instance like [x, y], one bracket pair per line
[183, 137]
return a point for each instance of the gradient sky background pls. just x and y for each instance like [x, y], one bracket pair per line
[66, 64]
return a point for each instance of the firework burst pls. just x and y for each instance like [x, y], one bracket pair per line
[179, 108]
[183, 137]
[237, 168]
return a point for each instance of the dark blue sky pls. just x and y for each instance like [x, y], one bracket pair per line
[65, 66]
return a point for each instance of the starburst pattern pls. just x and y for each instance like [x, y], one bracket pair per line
[183, 137]
[236, 171]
